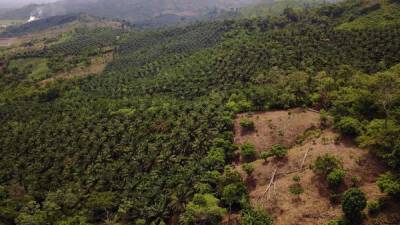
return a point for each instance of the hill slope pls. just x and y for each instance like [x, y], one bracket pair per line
[133, 10]
[114, 125]
[275, 8]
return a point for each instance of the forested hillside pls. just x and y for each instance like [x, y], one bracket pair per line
[275, 8]
[117, 125]
[132, 10]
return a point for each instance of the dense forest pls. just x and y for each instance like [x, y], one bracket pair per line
[150, 139]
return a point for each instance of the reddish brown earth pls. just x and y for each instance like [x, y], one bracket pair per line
[312, 207]
[277, 127]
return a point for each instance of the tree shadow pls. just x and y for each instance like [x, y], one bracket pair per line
[251, 183]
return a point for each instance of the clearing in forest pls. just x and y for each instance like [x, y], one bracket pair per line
[96, 66]
[270, 184]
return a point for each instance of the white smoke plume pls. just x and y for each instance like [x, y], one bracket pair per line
[36, 14]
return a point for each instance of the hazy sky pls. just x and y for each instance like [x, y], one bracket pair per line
[18, 3]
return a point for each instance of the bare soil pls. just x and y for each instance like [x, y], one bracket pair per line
[277, 127]
[313, 206]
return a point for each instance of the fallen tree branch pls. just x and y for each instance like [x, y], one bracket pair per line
[304, 159]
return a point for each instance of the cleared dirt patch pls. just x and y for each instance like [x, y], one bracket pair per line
[277, 127]
[313, 206]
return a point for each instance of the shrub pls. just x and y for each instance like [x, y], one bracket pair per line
[325, 164]
[256, 217]
[354, 202]
[234, 195]
[310, 134]
[335, 222]
[278, 151]
[296, 178]
[73, 221]
[373, 207]
[248, 168]
[238, 104]
[336, 178]
[203, 208]
[389, 184]
[349, 126]
[140, 222]
[203, 188]
[296, 189]
[215, 159]
[265, 155]
[248, 151]
[225, 144]
[247, 124]
[324, 118]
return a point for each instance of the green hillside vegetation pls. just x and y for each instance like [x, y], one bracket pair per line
[138, 11]
[276, 8]
[54, 22]
[150, 140]
[34, 68]
[386, 14]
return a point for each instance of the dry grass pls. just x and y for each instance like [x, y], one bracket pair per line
[313, 206]
[277, 127]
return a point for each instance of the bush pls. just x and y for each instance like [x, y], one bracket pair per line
[203, 208]
[296, 178]
[335, 222]
[256, 217]
[234, 195]
[324, 118]
[265, 155]
[349, 126]
[248, 151]
[247, 124]
[278, 151]
[238, 104]
[215, 159]
[296, 189]
[325, 164]
[389, 184]
[203, 188]
[248, 168]
[381, 137]
[373, 207]
[336, 178]
[73, 221]
[354, 202]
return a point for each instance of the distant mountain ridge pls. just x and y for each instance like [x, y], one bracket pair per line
[132, 10]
